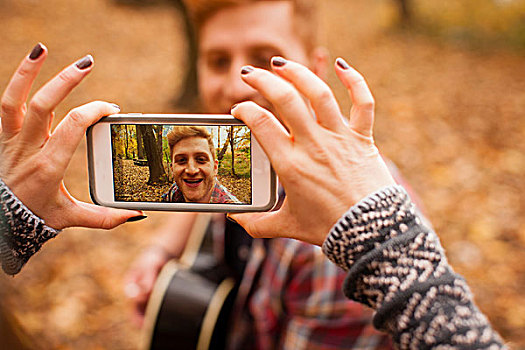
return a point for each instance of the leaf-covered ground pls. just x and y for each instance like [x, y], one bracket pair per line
[450, 117]
[131, 184]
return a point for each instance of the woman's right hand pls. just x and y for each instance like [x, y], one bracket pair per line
[325, 163]
[33, 159]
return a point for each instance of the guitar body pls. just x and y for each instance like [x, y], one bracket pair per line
[191, 301]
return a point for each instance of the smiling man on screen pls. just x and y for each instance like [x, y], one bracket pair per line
[195, 168]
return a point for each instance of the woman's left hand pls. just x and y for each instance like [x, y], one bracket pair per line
[33, 160]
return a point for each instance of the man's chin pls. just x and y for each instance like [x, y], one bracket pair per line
[199, 194]
[192, 197]
[189, 200]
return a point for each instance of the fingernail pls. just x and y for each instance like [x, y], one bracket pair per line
[36, 52]
[85, 62]
[136, 218]
[116, 106]
[342, 63]
[278, 61]
[246, 69]
[233, 107]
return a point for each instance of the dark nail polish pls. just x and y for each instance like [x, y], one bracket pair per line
[115, 105]
[278, 61]
[342, 63]
[136, 218]
[36, 52]
[246, 69]
[85, 62]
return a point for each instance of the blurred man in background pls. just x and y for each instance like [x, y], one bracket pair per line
[290, 296]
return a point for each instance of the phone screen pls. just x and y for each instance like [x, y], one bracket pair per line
[182, 163]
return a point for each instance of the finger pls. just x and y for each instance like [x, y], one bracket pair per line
[71, 130]
[131, 287]
[269, 132]
[260, 225]
[314, 89]
[147, 284]
[282, 223]
[139, 311]
[363, 104]
[38, 117]
[16, 92]
[94, 216]
[142, 294]
[139, 287]
[289, 105]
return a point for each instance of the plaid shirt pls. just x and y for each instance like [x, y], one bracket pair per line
[291, 297]
[220, 194]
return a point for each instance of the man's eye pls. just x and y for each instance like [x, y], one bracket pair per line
[202, 160]
[261, 61]
[219, 63]
[181, 161]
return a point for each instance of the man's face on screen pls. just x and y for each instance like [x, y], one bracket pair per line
[243, 35]
[194, 169]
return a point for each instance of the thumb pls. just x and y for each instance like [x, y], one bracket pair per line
[94, 216]
[260, 225]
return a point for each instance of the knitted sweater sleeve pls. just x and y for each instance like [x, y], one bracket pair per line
[22, 233]
[397, 266]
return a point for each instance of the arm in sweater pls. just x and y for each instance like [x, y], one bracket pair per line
[397, 266]
[22, 233]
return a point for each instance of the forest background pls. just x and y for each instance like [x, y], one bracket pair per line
[142, 165]
[450, 89]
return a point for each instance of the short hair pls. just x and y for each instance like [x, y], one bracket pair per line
[305, 15]
[179, 133]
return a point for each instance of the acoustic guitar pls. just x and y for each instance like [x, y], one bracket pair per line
[190, 304]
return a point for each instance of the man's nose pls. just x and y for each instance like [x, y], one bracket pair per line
[192, 168]
[236, 89]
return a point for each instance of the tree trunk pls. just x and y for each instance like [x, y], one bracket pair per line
[115, 141]
[225, 147]
[158, 132]
[157, 175]
[405, 12]
[232, 147]
[168, 162]
[218, 136]
[188, 98]
[127, 141]
[140, 146]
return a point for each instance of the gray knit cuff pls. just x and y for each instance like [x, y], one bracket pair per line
[22, 233]
[372, 221]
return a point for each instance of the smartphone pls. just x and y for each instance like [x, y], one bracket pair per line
[178, 162]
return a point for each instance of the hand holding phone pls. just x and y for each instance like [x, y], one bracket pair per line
[33, 158]
[325, 163]
[178, 163]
